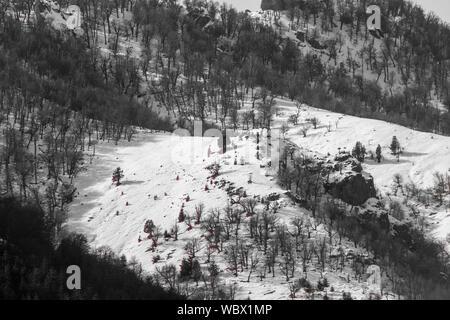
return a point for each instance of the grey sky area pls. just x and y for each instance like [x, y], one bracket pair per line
[242, 5]
[440, 7]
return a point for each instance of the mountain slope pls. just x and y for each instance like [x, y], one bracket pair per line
[151, 167]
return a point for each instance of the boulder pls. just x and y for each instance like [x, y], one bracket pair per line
[356, 167]
[300, 36]
[342, 157]
[353, 189]
[316, 44]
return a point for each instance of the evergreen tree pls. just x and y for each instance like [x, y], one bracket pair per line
[196, 271]
[181, 216]
[117, 176]
[359, 151]
[186, 269]
[213, 269]
[395, 147]
[149, 227]
[379, 155]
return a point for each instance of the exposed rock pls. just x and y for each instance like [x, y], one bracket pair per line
[342, 157]
[356, 166]
[273, 197]
[316, 44]
[58, 17]
[353, 189]
[296, 199]
[343, 178]
[300, 36]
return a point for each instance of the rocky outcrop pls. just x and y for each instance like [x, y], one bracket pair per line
[59, 18]
[301, 36]
[354, 189]
[349, 182]
[342, 176]
[316, 44]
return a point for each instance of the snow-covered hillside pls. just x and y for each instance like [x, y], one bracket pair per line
[165, 175]
[423, 153]
[161, 171]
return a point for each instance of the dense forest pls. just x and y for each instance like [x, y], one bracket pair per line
[204, 59]
[55, 105]
[31, 267]
[393, 77]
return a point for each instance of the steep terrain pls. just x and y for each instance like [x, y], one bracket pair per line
[116, 216]
[207, 225]
[423, 154]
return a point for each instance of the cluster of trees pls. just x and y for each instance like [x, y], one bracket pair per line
[180, 279]
[34, 266]
[261, 246]
[359, 151]
[202, 62]
[250, 238]
[416, 265]
[441, 186]
[303, 176]
[412, 55]
[254, 242]
[413, 263]
[411, 191]
[58, 99]
[224, 56]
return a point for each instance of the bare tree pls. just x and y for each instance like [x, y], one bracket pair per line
[249, 205]
[397, 184]
[304, 130]
[321, 252]
[284, 129]
[305, 255]
[287, 264]
[440, 186]
[315, 122]
[192, 247]
[168, 273]
[175, 231]
[232, 257]
[199, 209]
[293, 289]
[254, 262]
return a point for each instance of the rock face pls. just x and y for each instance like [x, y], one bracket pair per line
[354, 189]
[343, 176]
[59, 18]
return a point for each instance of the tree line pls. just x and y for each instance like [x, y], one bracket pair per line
[205, 59]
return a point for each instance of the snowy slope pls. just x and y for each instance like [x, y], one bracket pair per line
[423, 153]
[151, 166]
